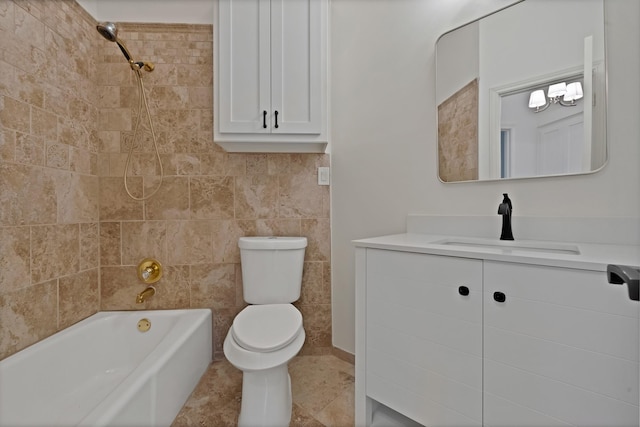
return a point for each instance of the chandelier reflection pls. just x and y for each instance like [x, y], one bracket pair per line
[562, 94]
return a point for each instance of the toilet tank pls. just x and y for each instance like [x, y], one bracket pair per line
[271, 268]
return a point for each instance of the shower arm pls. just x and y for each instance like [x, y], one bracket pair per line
[135, 65]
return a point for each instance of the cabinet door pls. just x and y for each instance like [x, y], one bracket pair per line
[270, 66]
[424, 336]
[560, 348]
[244, 66]
[295, 66]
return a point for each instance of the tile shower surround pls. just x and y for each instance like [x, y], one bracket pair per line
[70, 238]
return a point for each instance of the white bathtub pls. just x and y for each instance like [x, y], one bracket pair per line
[103, 371]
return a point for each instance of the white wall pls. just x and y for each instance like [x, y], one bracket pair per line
[165, 11]
[384, 132]
[383, 113]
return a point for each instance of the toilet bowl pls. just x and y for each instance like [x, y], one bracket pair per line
[261, 342]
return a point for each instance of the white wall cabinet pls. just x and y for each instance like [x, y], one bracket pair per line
[528, 344]
[271, 71]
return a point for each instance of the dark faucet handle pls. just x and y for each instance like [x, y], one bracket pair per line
[505, 208]
[619, 274]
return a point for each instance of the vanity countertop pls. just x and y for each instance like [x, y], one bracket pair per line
[592, 256]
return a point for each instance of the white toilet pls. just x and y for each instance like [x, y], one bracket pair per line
[267, 334]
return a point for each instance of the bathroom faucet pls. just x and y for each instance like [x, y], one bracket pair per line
[146, 294]
[505, 208]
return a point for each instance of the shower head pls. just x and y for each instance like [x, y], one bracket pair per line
[108, 30]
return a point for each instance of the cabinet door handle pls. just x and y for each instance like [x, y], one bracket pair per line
[499, 297]
[264, 119]
[463, 290]
[276, 112]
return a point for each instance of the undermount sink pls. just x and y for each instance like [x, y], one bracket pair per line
[511, 245]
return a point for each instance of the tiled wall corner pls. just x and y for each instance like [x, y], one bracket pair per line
[49, 254]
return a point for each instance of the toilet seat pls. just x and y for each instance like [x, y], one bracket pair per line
[266, 328]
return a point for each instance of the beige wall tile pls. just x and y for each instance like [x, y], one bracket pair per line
[29, 89]
[213, 286]
[83, 161]
[115, 119]
[300, 196]
[30, 149]
[89, 246]
[15, 258]
[115, 205]
[79, 297]
[225, 239]
[77, 197]
[27, 196]
[57, 156]
[27, 316]
[143, 239]
[119, 287]
[7, 145]
[110, 244]
[55, 251]
[278, 227]
[212, 163]
[212, 197]
[44, 124]
[28, 28]
[191, 242]
[6, 16]
[314, 287]
[172, 291]
[317, 325]
[318, 233]
[15, 115]
[256, 196]
[171, 200]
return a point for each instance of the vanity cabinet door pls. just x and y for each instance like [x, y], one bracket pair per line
[560, 348]
[424, 336]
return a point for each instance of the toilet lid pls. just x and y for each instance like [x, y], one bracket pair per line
[268, 327]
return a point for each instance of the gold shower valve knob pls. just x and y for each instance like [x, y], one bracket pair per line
[149, 270]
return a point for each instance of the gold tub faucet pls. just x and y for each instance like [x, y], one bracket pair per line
[146, 294]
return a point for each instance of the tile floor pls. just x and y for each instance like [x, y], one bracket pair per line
[322, 387]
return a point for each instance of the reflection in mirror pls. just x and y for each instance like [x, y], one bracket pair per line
[498, 115]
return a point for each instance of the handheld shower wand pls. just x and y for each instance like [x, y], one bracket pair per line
[109, 31]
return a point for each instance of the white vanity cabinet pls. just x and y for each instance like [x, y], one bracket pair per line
[270, 75]
[534, 343]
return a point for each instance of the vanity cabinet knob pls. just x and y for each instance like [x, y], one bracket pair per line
[499, 297]
[463, 290]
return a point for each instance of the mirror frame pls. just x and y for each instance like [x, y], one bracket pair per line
[495, 98]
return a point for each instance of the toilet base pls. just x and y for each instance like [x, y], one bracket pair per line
[266, 398]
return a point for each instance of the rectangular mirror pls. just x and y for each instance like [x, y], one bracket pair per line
[521, 93]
